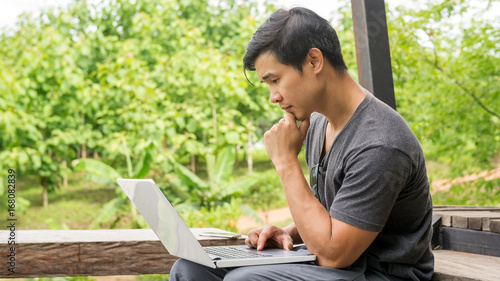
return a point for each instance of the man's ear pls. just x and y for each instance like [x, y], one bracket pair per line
[315, 60]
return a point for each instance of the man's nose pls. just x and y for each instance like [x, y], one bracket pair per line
[275, 97]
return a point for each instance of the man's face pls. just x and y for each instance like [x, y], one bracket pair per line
[292, 91]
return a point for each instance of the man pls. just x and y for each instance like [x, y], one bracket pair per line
[367, 214]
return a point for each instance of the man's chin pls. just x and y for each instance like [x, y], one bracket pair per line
[301, 117]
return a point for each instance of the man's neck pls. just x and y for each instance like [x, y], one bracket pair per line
[342, 97]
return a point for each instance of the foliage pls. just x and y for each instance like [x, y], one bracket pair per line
[219, 195]
[100, 172]
[446, 64]
[268, 192]
[162, 73]
[136, 84]
[218, 188]
[481, 193]
[222, 216]
[72, 278]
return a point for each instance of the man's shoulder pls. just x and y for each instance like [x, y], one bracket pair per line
[316, 117]
[316, 121]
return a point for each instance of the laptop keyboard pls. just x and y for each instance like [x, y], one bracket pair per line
[233, 253]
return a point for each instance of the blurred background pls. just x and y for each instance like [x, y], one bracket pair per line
[95, 90]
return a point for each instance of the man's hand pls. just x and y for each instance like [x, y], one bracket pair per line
[284, 140]
[269, 236]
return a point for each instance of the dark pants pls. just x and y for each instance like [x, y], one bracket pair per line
[185, 270]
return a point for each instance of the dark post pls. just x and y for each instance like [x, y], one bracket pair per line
[372, 49]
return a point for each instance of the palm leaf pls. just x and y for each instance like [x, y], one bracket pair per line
[96, 168]
[110, 209]
[238, 188]
[223, 167]
[189, 178]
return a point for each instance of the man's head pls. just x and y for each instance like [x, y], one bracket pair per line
[290, 35]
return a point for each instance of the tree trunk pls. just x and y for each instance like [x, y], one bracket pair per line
[214, 121]
[84, 145]
[236, 159]
[96, 155]
[193, 164]
[250, 148]
[84, 150]
[44, 182]
[65, 177]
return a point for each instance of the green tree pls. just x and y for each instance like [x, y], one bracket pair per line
[165, 73]
[446, 61]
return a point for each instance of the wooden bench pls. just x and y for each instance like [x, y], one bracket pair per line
[51, 253]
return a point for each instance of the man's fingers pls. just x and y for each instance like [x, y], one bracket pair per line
[287, 242]
[304, 126]
[289, 117]
[252, 238]
[269, 236]
[248, 242]
[263, 236]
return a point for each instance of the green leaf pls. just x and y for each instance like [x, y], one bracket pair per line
[188, 177]
[232, 137]
[223, 167]
[109, 210]
[238, 188]
[97, 168]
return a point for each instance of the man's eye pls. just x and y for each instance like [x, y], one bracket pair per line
[275, 81]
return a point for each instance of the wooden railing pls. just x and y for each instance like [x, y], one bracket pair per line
[51, 253]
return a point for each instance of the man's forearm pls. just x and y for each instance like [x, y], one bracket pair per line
[312, 221]
[336, 244]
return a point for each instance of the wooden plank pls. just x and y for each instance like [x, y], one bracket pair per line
[470, 219]
[464, 208]
[475, 223]
[451, 265]
[495, 225]
[470, 241]
[445, 219]
[52, 253]
[459, 222]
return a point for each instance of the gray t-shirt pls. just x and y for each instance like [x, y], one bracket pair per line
[373, 177]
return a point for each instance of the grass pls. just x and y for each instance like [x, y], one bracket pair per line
[73, 206]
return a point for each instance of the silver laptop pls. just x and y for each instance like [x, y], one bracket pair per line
[181, 242]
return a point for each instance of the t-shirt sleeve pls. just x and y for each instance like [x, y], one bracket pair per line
[312, 133]
[373, 180]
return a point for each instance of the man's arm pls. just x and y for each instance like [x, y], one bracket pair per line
[335, 243]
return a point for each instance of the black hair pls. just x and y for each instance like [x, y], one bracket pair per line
[290, 35]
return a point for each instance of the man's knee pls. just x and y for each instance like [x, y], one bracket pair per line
[185, 270]
[246, 273]
[179, 270]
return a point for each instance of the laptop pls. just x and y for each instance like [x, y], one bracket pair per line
[181, 242]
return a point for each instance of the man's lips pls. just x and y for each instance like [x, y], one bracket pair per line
[286, 108]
